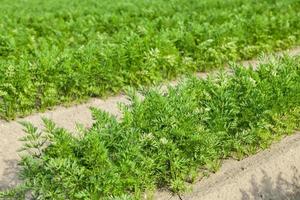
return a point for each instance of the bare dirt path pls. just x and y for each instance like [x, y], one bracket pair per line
[11, 132]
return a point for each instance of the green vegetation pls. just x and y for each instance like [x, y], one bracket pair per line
[164, 140]
[60, 51]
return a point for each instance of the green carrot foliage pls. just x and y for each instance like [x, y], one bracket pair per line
[59, 51]
[166, 139]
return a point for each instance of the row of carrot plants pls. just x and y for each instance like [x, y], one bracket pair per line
[60, 52]
[165, 139]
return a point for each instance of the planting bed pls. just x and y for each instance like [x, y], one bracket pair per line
[164, 140]
[54, 52]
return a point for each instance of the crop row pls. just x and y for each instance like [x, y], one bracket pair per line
[166, 139]
[54, 52]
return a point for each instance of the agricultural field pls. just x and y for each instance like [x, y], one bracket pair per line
[165, 139]
[61, 52]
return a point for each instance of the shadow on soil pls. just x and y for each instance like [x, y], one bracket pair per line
[9, 176]
[270, 189]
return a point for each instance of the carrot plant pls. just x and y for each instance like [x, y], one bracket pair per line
[54, 52]
[166, 139]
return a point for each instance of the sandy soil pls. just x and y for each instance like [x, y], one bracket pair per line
[272, 174]
[229, 183]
